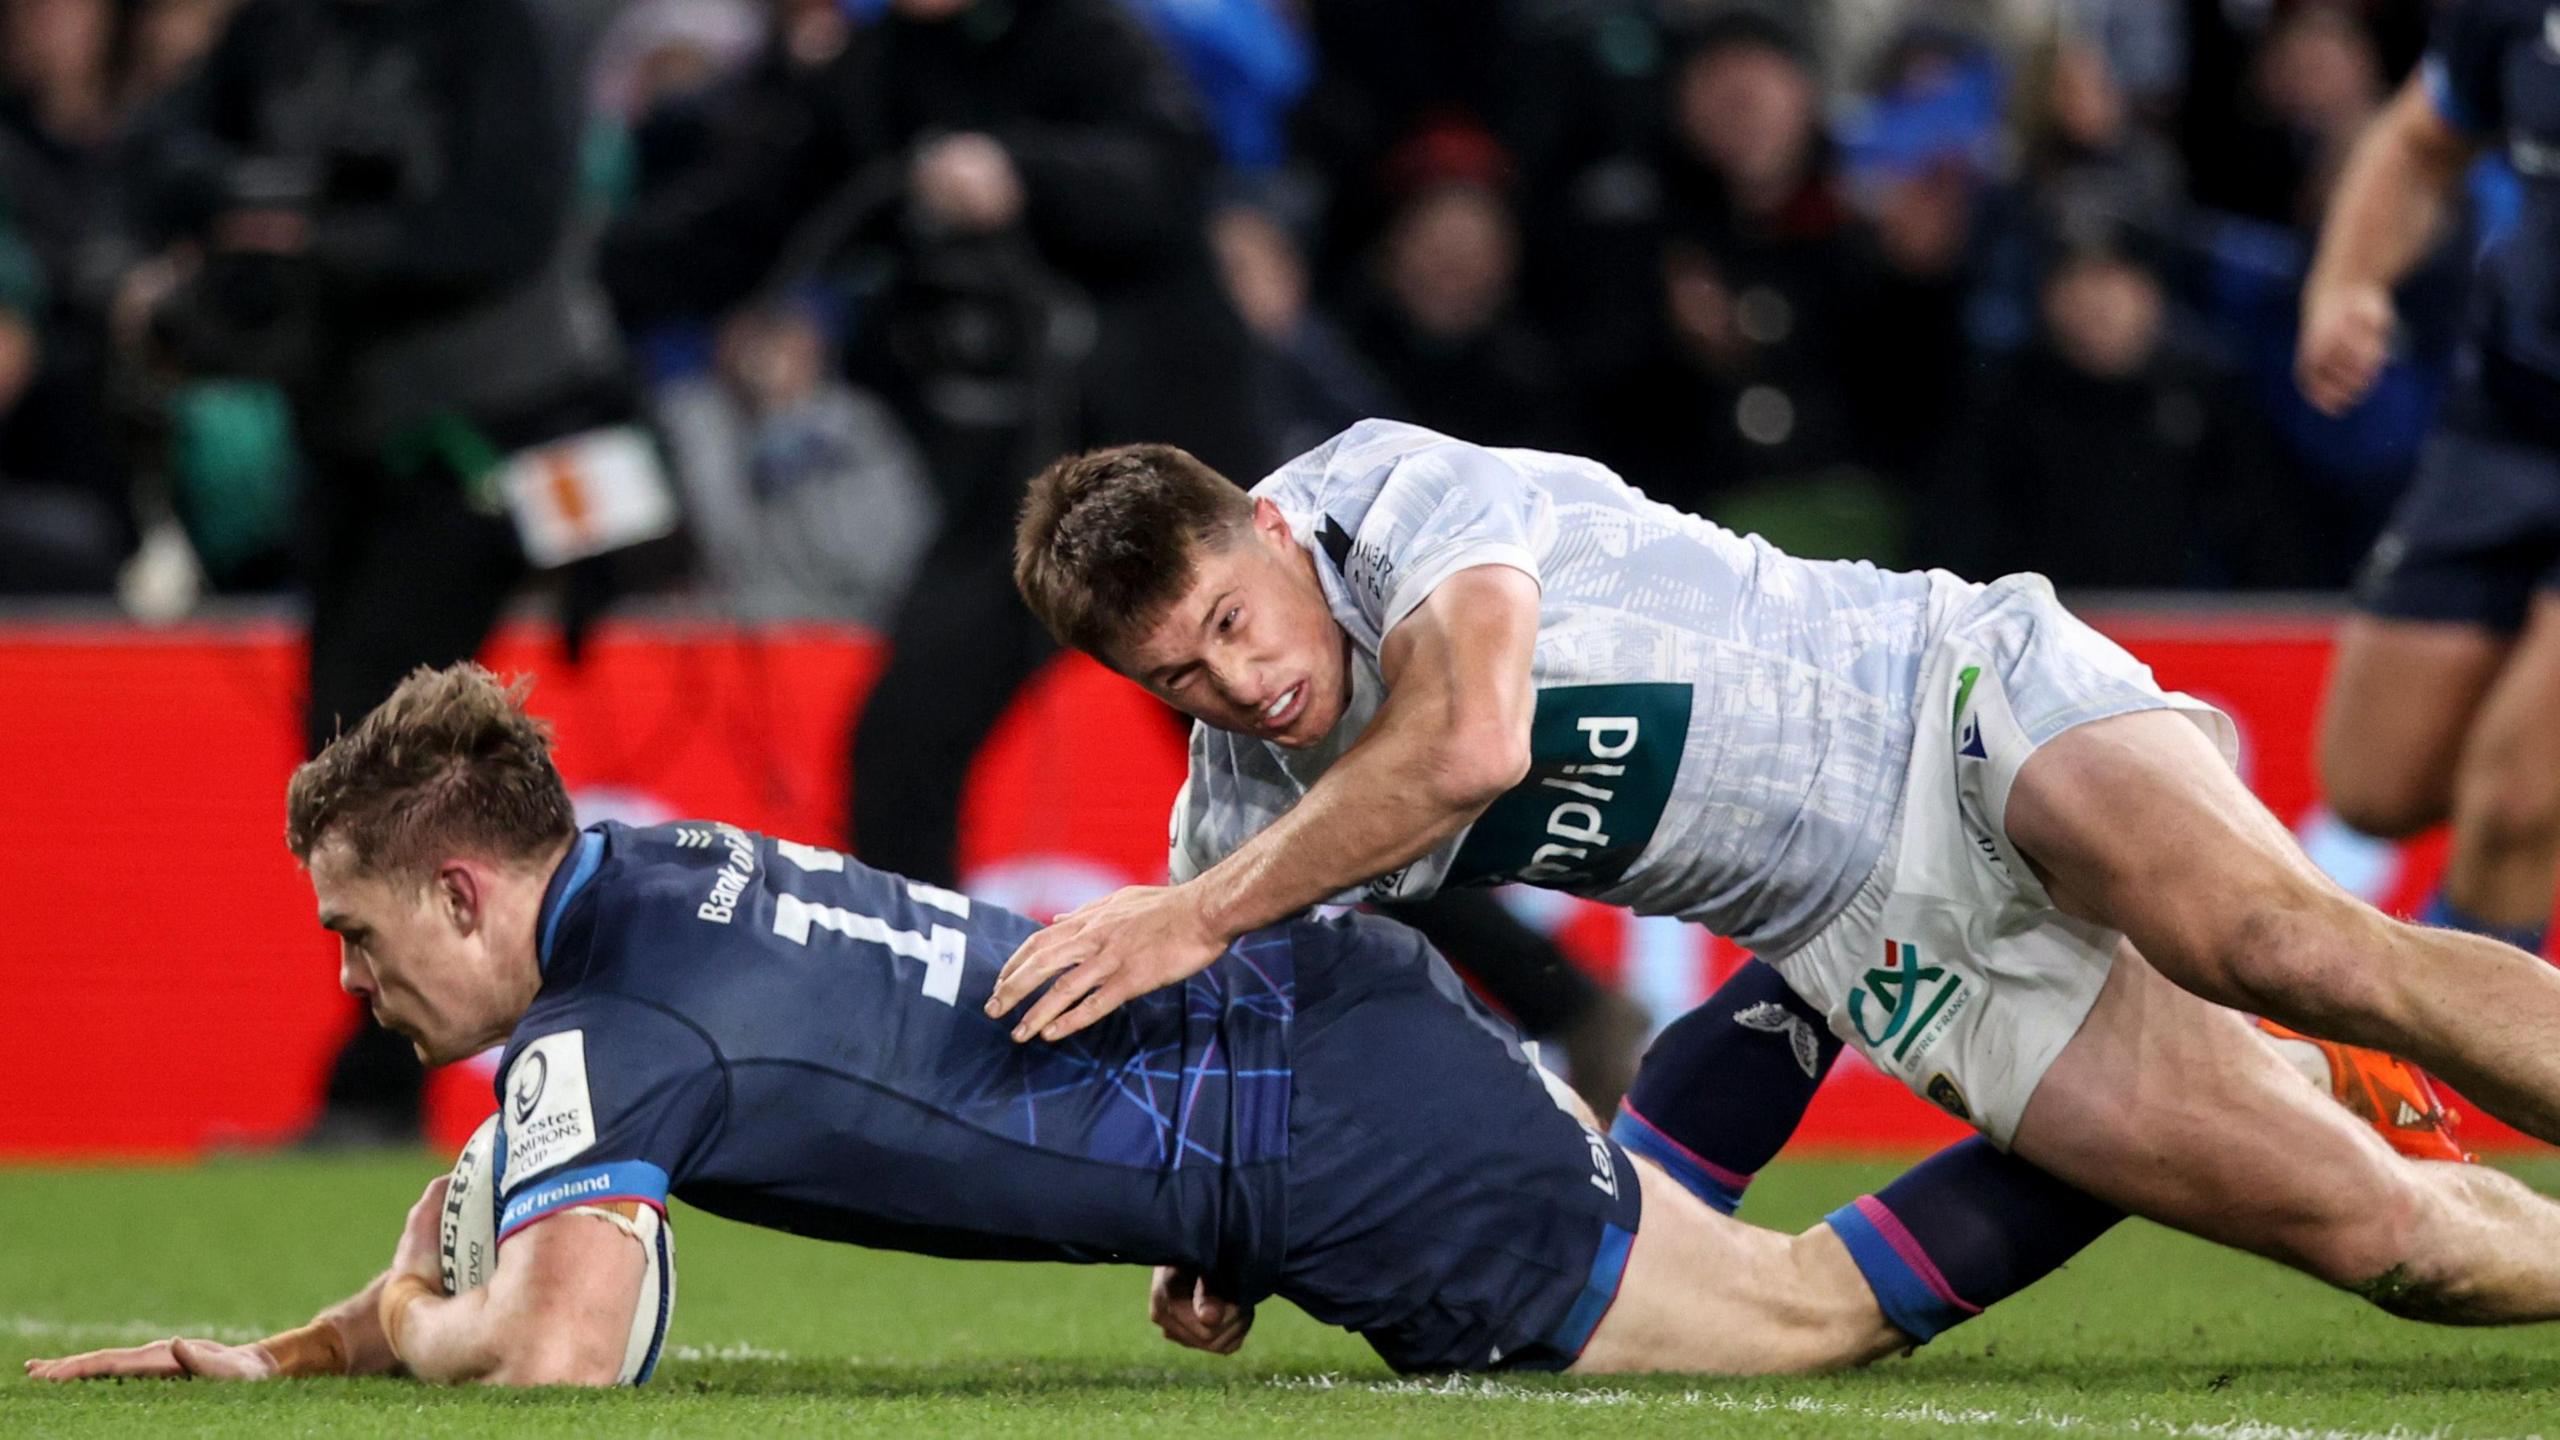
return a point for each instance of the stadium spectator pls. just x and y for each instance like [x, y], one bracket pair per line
[54, 539]
[1046, 177]
[58, 120]
[383, 199]
[2272, 105]
[1308, 380]
[805, 494]
[1439, 318]
[1764, 318]
[1250, 61]
[2107, 455]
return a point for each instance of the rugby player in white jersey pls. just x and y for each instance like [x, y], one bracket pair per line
[1974, 834]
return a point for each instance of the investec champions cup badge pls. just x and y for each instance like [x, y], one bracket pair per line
[1904, 999]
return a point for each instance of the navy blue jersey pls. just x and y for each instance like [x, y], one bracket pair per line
[784, 1036]
[2493, 72]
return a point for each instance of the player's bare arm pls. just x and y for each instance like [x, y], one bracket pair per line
[2383, 218]
[1451, 737]
[344, 1339]
[556, 1313]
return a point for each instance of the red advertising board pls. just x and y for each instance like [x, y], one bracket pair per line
[168, 993]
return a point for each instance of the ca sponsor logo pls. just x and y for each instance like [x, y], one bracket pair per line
[1903, 1000]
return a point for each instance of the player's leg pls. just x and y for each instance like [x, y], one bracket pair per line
[2506, 794]
[1445, 1202]
[1724, 1086]
[2135, 823]
[1723, 1089]
[1713, 1295]
[2401, 695]
[2172, 1108]
[2440, 597]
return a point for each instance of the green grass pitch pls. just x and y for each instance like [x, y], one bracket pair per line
[2149, 1334]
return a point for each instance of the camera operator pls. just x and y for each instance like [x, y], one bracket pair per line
[1041, 179]
[373, 203]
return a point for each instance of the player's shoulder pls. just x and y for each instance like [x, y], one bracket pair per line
[1362, 456]
[623, 887]
[646, 867]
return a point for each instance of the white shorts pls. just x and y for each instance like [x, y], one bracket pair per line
[1950, 969]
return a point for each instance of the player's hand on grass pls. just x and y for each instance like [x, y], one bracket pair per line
[420, 1240]
[2346, 339]
[1182, 1307]
[178, 1358]
[1104, 955]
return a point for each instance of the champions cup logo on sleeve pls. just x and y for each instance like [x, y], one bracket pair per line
[549, 1118]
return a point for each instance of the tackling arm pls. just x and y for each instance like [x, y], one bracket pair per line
[1452, 736]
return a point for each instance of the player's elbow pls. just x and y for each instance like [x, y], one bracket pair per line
[554, 1350]
[555, 1362]
[2428, 143]
[1475, 763]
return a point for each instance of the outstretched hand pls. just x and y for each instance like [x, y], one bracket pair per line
[1104, 955]
[177, 1358]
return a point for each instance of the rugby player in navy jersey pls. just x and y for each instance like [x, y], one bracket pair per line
[2440, 704]
[783, 1036]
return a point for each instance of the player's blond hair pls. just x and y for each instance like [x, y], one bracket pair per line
[1106, 539]
[450, 764]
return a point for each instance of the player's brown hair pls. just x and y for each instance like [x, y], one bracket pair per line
[451, 763]
[1106, 539]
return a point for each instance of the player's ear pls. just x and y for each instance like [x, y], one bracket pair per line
[458, 895]
[1269, 523]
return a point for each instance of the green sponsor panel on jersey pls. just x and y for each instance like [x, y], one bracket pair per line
[1602, 759]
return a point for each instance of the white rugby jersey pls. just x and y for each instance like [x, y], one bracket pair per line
[1721, 728]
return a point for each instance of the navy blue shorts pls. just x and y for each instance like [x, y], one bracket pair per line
[2479, 530]
[1439, 1201]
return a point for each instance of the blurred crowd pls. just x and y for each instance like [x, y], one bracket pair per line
[1997, 285]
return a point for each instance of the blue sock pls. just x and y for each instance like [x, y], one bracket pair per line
[1724, 1086]
[1963, 1229]
[2445, 914]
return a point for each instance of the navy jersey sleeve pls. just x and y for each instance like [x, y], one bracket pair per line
[2463, 68]
[604, 1098]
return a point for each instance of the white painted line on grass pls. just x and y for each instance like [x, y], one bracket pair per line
[39, 1327]
[1460, 1387]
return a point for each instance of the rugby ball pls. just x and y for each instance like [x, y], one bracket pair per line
[467, 1250]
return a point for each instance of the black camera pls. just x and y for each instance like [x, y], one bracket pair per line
[248, 313]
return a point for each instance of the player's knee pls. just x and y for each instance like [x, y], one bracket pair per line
[2422, 1272]
[2372, 1243]
[2375, 795]
[2510, 807]
[2385, 806]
